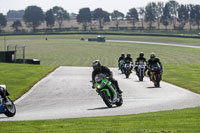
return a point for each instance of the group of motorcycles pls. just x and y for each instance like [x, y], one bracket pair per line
[107, 90]
[126, 69]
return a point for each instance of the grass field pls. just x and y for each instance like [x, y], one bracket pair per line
[181, 67]
[19, 78]
[176, 121]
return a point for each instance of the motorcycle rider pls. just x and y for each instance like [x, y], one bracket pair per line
[98, 68]
[128, 59]
[122, 57]
[154, 61]
[3, 92]
[138, 60]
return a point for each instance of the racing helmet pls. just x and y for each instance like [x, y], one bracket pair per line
[152, 56]
[96, 64]
[141, 54]
[128, 55]
[122, 55]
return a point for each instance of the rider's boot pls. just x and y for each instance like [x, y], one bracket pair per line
[115, 83]
[115, 99]
[118, 89]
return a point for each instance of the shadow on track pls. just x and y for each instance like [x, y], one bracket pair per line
[4, 117]
[101, 108]
[153, 87]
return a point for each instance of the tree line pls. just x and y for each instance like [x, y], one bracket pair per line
[170, 13]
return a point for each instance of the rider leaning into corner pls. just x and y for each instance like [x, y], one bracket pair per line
[98, 68]
[154, 61]
[140, 59]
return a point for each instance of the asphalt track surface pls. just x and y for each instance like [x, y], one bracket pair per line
[67, 93]
[157, 43]
[125, 41]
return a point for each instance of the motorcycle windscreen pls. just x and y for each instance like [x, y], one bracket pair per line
[99, 77]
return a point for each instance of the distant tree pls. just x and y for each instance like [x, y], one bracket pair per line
[183, 15]
[197, 15]
[33, 16]
[132, 16]
[191, 9]
[166, 17]
[173, 6]
[16, 24]
[150, 14]
[84, 17]
[3, 21]
[50, 18]
[117, 17]
[60, 15]
[159, 12]
[142, 15]
[101, 16]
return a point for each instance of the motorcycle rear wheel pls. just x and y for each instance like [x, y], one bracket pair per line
[157, 81]
[120, 102]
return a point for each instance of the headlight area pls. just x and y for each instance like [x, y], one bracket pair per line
[98, 86]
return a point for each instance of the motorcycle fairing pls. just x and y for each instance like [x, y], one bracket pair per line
[1, 106]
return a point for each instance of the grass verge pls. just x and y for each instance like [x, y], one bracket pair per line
[19, 78]
[176, 121]
[185, 75]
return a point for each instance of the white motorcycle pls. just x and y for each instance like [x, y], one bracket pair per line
[141, 71]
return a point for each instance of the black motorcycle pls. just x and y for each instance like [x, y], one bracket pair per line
[155, 75]
[127, 69]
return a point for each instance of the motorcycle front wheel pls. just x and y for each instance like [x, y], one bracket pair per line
[127, 74]
[157, 81]
[107, 100]
[140, 78]
[10, 108]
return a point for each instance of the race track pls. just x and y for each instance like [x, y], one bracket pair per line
[67, 93]
[157, 43]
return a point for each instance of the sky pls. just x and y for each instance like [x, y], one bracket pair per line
[73, 6]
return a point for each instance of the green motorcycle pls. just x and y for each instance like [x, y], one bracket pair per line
[121, 66]
[107, 91]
